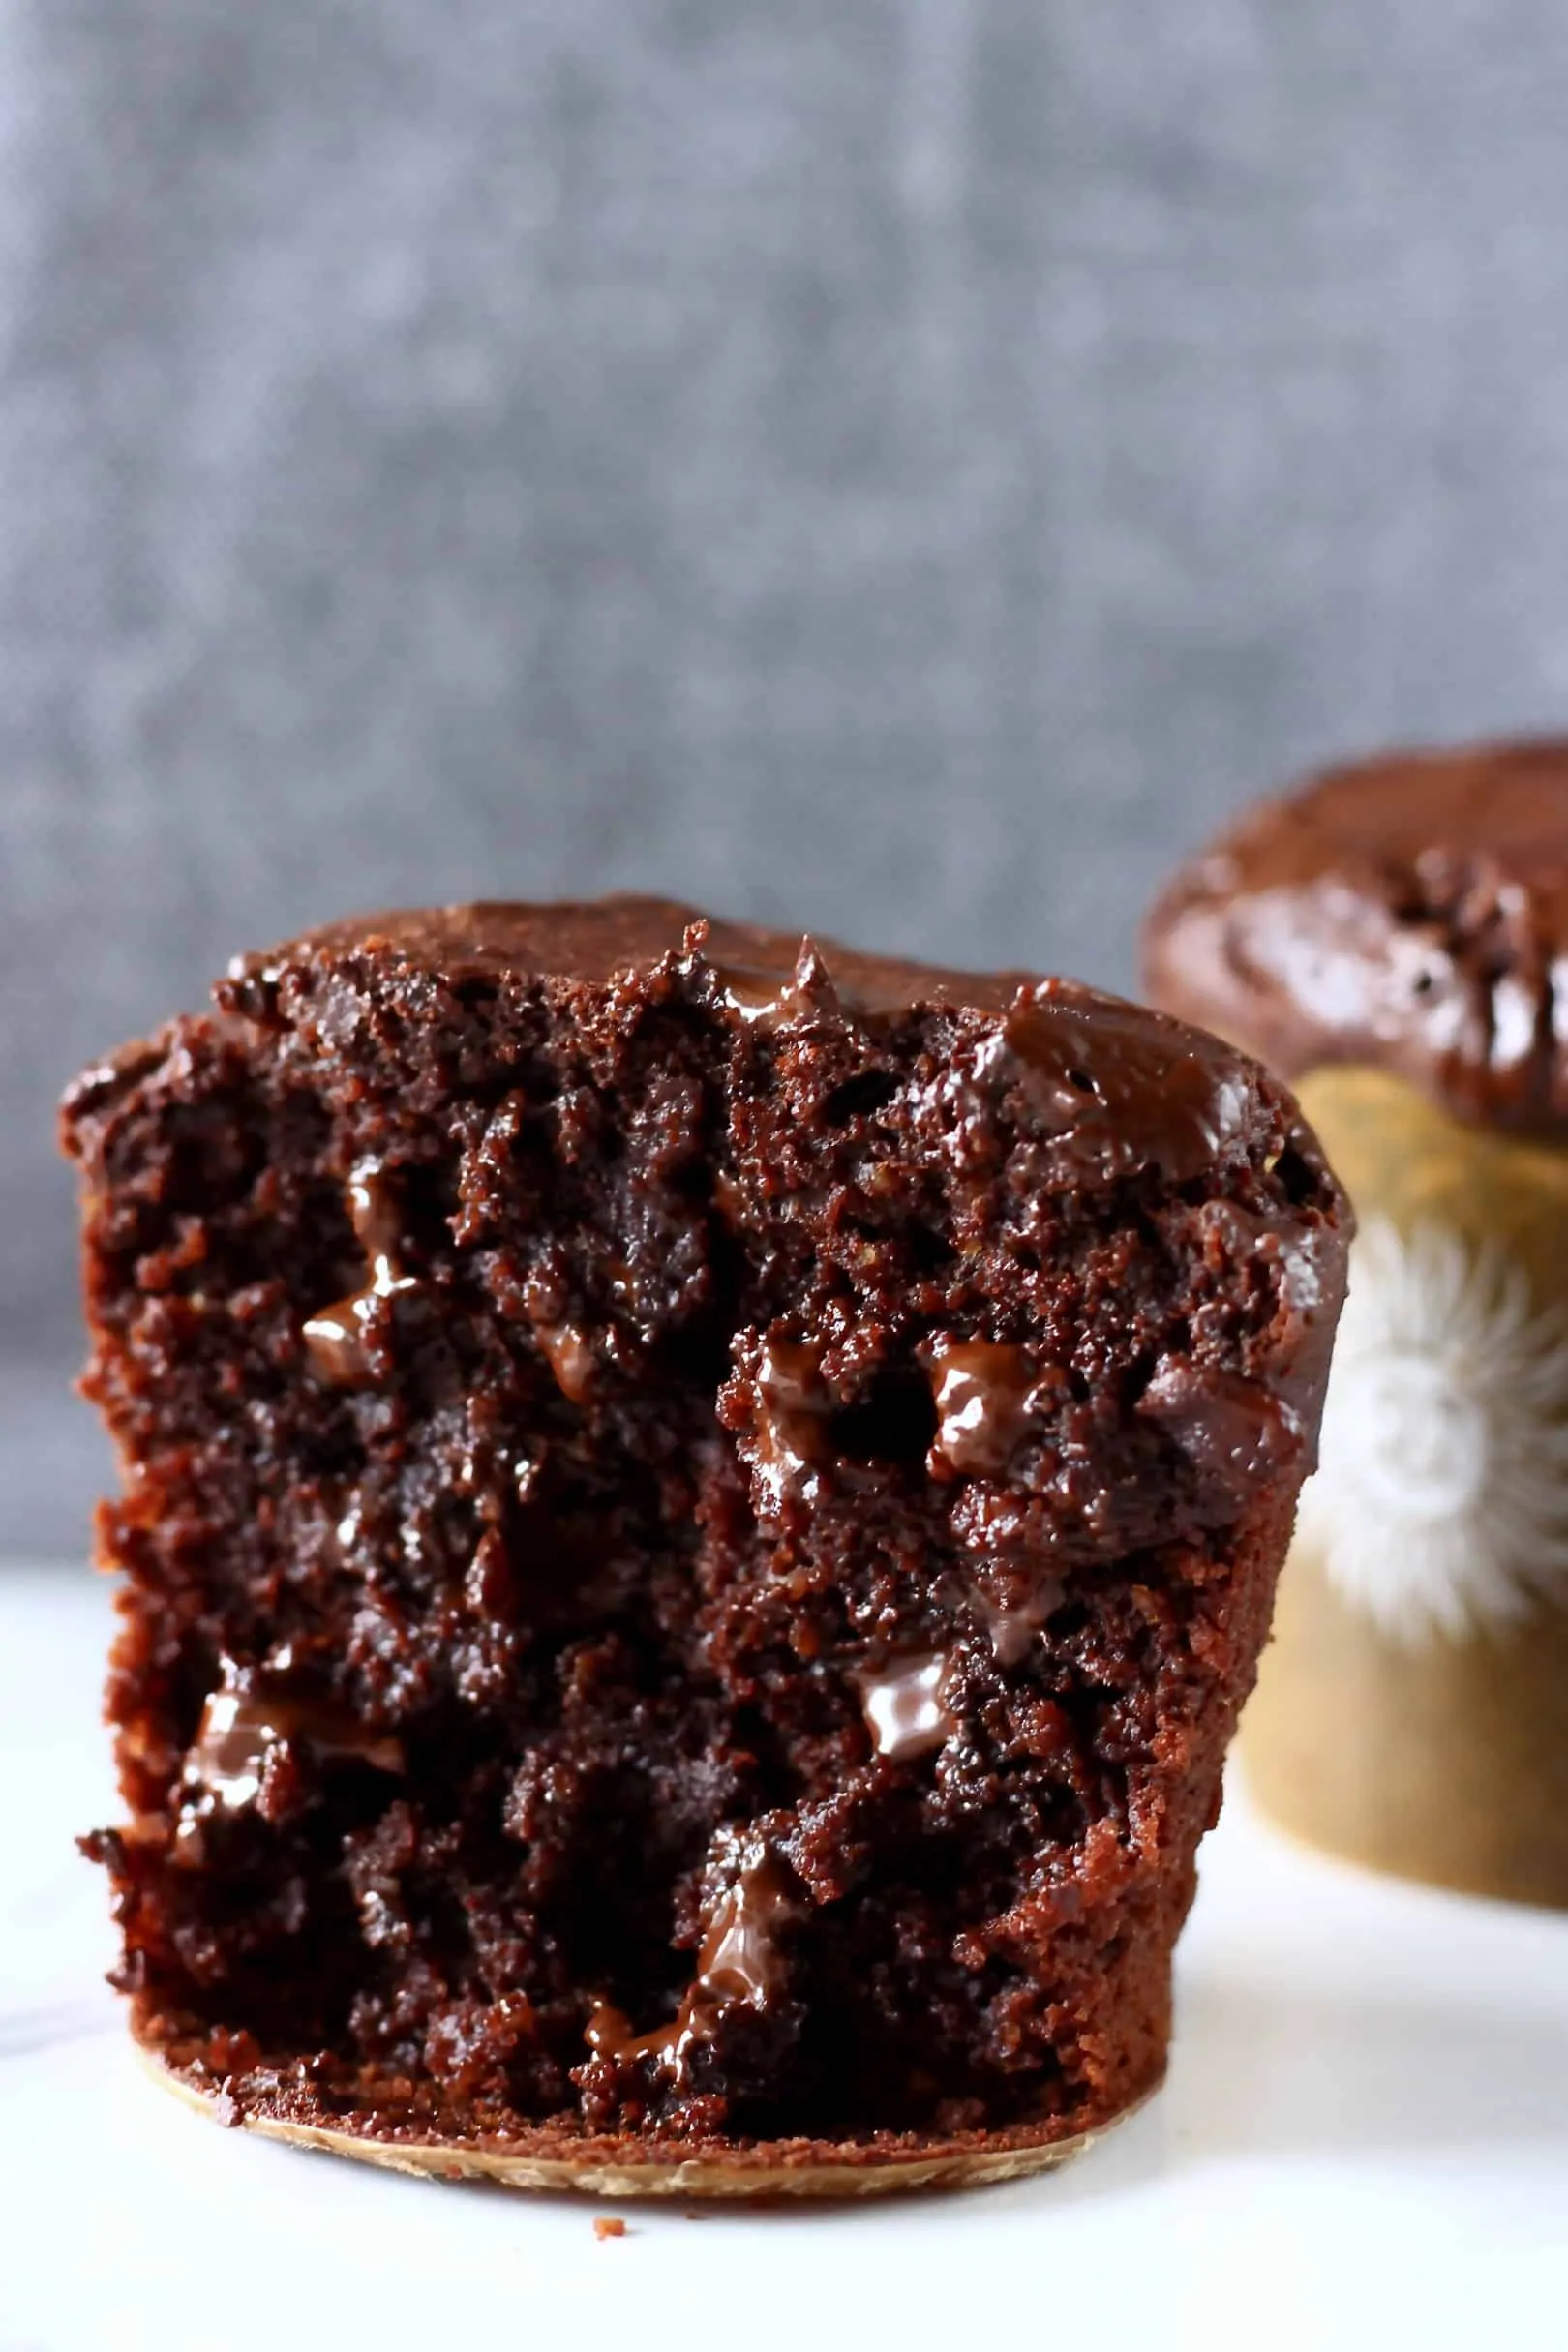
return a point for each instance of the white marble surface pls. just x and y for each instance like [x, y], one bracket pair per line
[1364, 2142]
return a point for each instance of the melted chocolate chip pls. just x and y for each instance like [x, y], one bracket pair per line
[790, 1428]
[335, 1338]
[1014, 1625]
[905, 1706]
[765, 1001]
[564, 1342]
[740, 1958]
[739, 1965]
[245, 1721]
[1116, 1090]
[236, 1734]
[1235, 1432]
[760, 998]
[987, 1397]
[569, 1353]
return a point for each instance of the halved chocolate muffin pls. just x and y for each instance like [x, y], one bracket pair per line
[698, 1514]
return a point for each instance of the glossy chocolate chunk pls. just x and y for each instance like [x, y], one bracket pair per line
[983, 1390]
[740, 1965]
[245, 1722]
[906, 1708]
[339, 1340]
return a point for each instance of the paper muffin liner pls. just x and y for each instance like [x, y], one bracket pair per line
[1412, 1710]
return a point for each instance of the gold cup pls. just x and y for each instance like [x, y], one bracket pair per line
[1412, 1709]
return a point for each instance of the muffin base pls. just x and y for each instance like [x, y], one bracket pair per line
[546, 2161]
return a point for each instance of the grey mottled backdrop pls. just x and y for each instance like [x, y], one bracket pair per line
[908, 466]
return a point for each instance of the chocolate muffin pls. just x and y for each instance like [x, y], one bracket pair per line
[697, 1512]
[1391, 939]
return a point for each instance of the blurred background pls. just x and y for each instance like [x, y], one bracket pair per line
[909, 468]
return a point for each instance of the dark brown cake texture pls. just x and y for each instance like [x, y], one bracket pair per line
[698, 1512]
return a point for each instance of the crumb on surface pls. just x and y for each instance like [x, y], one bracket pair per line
[609, 2225]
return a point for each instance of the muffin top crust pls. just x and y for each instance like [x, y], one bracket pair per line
[1407, 911]
[1114, 1085]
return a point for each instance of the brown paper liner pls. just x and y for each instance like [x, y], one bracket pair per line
[1437, 1756]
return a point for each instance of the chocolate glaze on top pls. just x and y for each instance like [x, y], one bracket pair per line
[1410, 912]
[755, 969]
[764, 1002]
[1110, 1086]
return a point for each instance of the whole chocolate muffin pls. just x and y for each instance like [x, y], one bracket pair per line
[1392, 940]
[698, 1514]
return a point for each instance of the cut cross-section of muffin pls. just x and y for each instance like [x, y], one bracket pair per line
[698, 1514]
